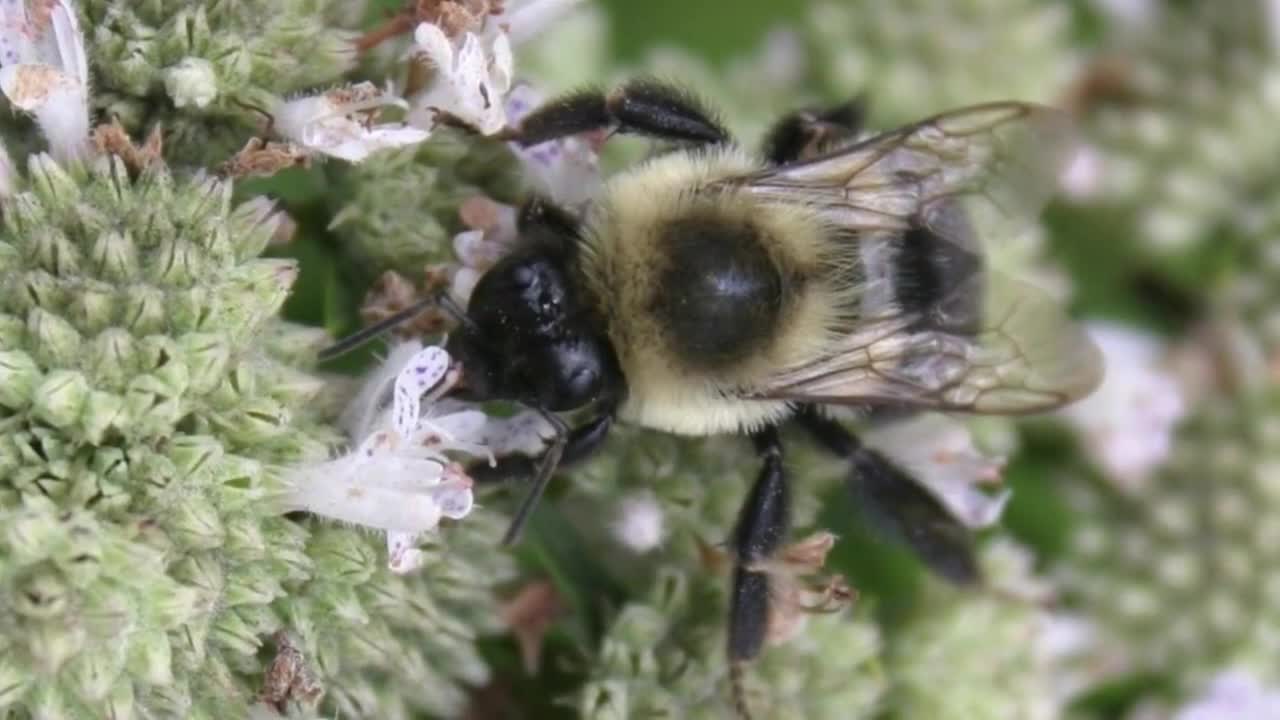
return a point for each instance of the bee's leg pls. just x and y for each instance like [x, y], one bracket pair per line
[643, 106]
[895, 502]
[761, 527]
[804, 133]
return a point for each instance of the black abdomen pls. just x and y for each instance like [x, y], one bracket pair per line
[720, 294]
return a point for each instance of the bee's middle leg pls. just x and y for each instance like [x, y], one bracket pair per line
[761, 527]
[643, 106]
[810, 131]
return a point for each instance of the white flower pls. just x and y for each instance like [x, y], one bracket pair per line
[473, 77]
[474, 70]
[1234, 695]
[1083, 176]
[566, 170]
[338, 122]
[640, 522]
[44, 71]
[192, 82]
[1127, 424]
[398, 479]
[939, 453]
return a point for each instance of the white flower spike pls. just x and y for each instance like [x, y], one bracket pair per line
[44, 71]
[338, 122]
[1127, 424]
[1234, 695]
[939, 453]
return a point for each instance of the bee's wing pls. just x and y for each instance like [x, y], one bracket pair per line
[1025, 356]
[972, 177]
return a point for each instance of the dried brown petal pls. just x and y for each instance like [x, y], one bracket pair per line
[288, 678]
[112, 139]
[261, 158]
[529, 615]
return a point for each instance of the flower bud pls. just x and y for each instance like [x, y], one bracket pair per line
[150, 657]
[56, 341]
[19, 376]
[191, 83]
[93, 674]
[51, 643]
[343, 555]
[61, 398]
[195, 524]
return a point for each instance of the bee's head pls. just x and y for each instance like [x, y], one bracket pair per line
[529, 339]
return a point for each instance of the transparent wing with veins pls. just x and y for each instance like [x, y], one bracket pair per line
[973, 178]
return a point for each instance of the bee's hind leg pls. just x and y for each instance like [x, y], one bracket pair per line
[758, 534]
[895, 503]
[810, 131]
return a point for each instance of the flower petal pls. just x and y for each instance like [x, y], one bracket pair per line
[432, 42]
[939, 453]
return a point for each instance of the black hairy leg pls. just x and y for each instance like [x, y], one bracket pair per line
[643, 106]
[760, 529]
[895, 503]
[809, 132]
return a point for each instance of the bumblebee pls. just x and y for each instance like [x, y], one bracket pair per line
[712, 290]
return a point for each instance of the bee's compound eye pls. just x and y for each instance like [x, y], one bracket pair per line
[583, 382]
[573, 379]
[523, 276]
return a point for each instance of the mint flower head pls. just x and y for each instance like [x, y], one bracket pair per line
[205, 71]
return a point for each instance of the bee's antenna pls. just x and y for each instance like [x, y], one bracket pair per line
[364, 335]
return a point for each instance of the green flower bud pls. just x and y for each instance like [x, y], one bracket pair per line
[93, 675]
[195, 524]
[150, 658]
[120, 703]
[51, 643]
[19, 376]
[343, 556]
[59, 342]
[113, 256]
[14, 680]
[251, 585]
[207, 357]
[61, 398]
